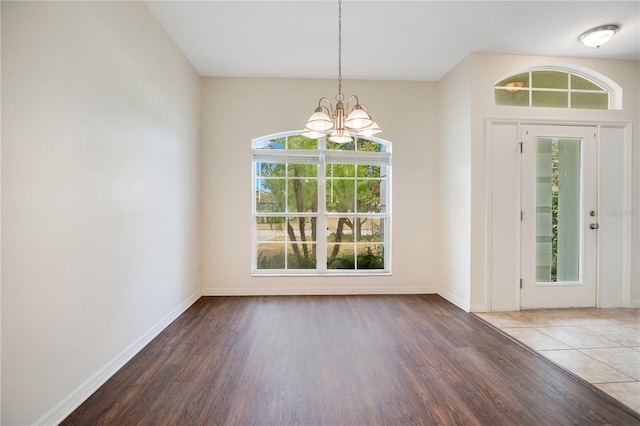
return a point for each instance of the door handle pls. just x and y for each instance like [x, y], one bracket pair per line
[594, 226]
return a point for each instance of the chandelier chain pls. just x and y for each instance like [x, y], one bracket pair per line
[338, 123]
[339, 96]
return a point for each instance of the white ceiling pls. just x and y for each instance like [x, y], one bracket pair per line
[387, 40]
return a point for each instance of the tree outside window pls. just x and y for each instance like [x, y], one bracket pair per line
[321, 207]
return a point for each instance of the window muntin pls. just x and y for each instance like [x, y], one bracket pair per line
[321, 207]
[552, 88]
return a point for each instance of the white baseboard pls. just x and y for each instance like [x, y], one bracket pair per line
[635, 303]
[65, 407]
[253, 291]
[462, 304]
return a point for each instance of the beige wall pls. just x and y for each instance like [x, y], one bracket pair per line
[454, 184]
[99, 196]
[236, 110]
[466, 102]
[112, 210]
[487, 69]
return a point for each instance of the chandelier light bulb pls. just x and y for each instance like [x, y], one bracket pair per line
[313, 134]
[319, 121]
[372, 130]
[340, 136]
[358, 119]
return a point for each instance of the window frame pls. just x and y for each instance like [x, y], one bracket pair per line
[606, 85]
[322, 156]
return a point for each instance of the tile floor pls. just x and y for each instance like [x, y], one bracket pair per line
[600, 345]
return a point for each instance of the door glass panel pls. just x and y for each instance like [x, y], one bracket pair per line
[558, 201]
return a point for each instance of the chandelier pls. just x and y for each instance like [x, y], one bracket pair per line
[327, 120]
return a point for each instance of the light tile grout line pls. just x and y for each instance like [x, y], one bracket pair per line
[633, 379]
[583, 326]
[580, 349]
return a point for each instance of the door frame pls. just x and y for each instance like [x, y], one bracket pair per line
[510, 289]
[581, 292]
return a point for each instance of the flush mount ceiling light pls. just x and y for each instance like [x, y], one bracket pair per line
[335, 122]
[598, 36]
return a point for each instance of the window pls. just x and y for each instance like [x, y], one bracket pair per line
[559, 88]
[321, 207]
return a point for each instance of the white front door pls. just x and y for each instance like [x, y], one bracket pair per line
[559, 216]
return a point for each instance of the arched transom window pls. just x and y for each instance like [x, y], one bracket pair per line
[559, 88]
[321, 207]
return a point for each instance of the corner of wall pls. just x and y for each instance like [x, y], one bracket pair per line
[455, 184]
[65, 407]
[99, 201]
[458, 301]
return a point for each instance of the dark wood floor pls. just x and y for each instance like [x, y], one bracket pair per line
[340, 360]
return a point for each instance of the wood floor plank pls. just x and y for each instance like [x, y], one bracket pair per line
[340, 360]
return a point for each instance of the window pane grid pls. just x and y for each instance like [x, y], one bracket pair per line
[547, 88]
[296, 214]
[355, 243]
[343, 234]
[374, 215]
[294, 236]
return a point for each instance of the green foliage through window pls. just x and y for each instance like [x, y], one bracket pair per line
[296, 229]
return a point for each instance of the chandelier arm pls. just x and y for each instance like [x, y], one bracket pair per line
[349, 101]
[328, 109]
